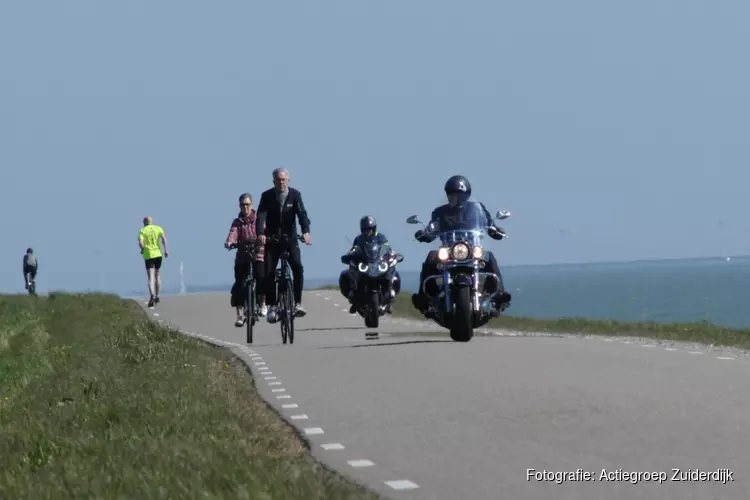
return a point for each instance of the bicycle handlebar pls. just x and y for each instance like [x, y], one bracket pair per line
[276, 238]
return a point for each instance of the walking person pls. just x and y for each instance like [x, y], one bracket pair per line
[242, 233]
[149, 238]
[279, 210]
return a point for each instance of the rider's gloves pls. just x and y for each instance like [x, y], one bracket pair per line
[496, 233]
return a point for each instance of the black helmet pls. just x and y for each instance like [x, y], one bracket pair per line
[367, 223]
[29, 250]
[457, 189]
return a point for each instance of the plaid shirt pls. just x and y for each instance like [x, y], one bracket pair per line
[244, 230]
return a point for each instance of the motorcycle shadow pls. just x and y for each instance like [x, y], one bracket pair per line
[330, 329]
[388, 344]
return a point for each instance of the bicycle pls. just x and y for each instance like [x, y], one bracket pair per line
[249, 285]
[32, 286]
[284, 283]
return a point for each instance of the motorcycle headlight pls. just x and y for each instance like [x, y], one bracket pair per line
[362, 267]
[460, 251]
[383, 267]
[443, 253]
[477, 252]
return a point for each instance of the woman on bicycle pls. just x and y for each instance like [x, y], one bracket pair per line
[246, 261]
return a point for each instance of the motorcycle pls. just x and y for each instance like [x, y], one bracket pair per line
[371, 267]
[462, 301]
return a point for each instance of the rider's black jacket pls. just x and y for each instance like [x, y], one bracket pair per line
[447, 217]
[273, 218]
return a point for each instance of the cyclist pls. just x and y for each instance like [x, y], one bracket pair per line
[30, 268]
[278, 211]
[243, 231]
[148, 241]
[368, 231]
[458, 191]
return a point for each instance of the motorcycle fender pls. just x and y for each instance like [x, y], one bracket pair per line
[462, 280]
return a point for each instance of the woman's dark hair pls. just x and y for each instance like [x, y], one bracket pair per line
[246, 195]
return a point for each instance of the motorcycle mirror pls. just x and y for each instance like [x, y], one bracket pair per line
[413, 220]
[502, 215]
[400, 258]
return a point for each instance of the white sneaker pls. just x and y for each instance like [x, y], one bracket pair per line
[263, 311]
[299, 311]
[240, 321]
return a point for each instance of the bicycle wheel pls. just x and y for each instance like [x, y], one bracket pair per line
[289, 306]
[281, 312]
[250, 311]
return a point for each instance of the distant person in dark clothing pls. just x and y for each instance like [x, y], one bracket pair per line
[30, 268]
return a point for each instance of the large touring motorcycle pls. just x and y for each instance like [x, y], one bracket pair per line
[371, 267]
[459, 293]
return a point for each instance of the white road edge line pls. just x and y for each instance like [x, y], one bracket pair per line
[402, 484]
[360, 463]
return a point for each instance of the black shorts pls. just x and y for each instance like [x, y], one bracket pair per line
[155, 263]
[30, 270]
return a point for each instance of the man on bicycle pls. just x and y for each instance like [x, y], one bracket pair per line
[278, 211]
[30, 267]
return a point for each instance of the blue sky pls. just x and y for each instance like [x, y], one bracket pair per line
[611, 130]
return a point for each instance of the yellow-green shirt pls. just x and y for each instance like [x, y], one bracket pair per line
[150, 236]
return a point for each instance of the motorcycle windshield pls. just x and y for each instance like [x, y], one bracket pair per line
[465, 223]
[372, 252]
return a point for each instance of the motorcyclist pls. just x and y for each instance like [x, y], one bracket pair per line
[458, 192]
[368, 232]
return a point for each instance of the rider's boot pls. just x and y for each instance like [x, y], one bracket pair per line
[501, 302]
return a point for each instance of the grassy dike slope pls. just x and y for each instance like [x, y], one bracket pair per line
[98, 402]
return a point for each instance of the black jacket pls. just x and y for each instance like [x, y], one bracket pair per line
[272, 218]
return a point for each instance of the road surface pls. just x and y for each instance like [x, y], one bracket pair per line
[421, 417]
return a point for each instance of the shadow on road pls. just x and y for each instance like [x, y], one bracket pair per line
[383, 344]
[329, 329]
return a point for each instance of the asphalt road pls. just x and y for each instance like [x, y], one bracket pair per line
[421, 417]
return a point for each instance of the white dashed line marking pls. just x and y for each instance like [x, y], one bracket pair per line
[260, 363]
[725, 358]
[290, 406]
[332, 446]
[670, 349]
[402, 484]
[270, 378]
[335, 305]
[314, 431]
[328, 298]
[156, 314]
[695, 352]
[299, 417]
[609, 340]
[284, 396]
[648, 345]
[278, 390]
[274, 383]
[360, 463]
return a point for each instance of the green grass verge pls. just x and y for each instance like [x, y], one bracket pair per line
[701, 332]
[98, 402]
